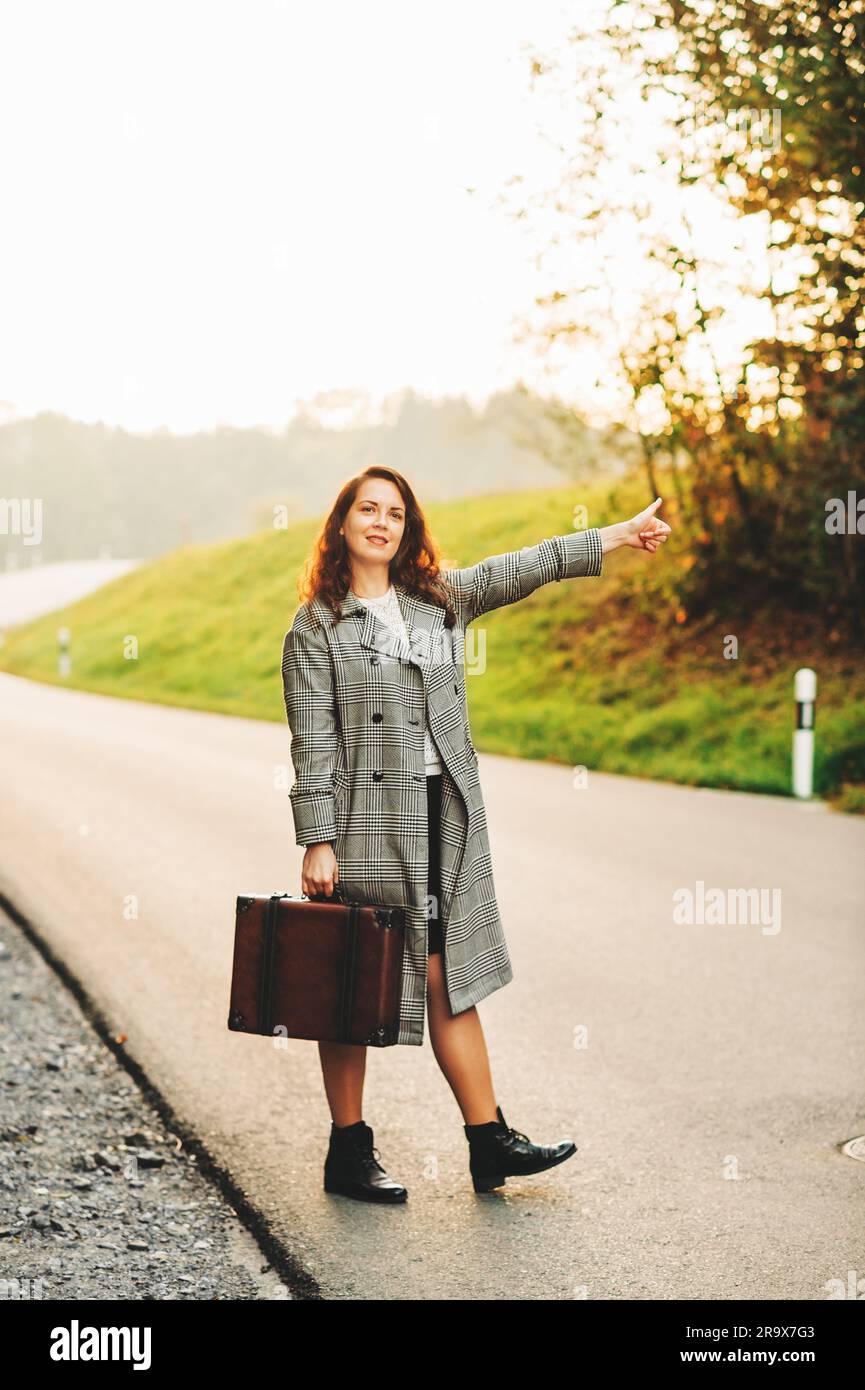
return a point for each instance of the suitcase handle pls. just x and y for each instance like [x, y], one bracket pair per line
[337, 896]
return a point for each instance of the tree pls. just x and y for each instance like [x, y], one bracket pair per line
[719, 147]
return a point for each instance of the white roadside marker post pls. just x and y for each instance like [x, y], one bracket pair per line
[805, 689]
[64, 661]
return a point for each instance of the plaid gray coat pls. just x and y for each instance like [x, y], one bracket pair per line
[355, 698]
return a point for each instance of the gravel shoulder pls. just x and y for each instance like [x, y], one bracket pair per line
[99, 1199]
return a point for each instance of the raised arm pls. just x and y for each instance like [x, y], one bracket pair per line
[307, 682]
[504, 579]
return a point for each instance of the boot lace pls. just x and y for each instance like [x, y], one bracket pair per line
[510, 1133]
[368, 1151]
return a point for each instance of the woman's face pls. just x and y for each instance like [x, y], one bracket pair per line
[374, 523]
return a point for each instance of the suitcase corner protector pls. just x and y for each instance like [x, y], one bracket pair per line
[383, 1036]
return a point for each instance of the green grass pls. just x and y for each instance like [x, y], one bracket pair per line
[578, 673]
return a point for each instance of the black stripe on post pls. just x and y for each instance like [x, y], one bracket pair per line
[805, 714]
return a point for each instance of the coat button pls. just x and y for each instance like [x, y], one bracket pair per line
[373, 661]
[376, 719]
[376, 776]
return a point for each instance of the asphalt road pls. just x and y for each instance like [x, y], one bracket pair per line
[709, 1073]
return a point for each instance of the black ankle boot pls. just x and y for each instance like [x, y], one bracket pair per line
[351, 1167]
[496, 1151]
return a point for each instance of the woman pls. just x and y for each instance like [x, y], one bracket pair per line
[387, 799]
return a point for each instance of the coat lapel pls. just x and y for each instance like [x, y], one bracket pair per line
[423, 621]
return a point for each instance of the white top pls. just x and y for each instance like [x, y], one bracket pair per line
[386, 608]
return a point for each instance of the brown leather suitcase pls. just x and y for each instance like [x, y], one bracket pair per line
[321, 968]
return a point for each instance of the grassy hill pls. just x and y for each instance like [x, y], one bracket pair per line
[594, 672]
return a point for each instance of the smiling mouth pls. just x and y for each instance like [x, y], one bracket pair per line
[376, 540]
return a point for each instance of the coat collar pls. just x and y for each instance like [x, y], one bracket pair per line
[423, 620]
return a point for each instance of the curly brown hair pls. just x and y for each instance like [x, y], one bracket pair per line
[416, 565]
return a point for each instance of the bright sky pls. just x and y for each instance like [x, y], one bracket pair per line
[212, 209]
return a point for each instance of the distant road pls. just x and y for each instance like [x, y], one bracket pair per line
[32, 590]
[708, 1073]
